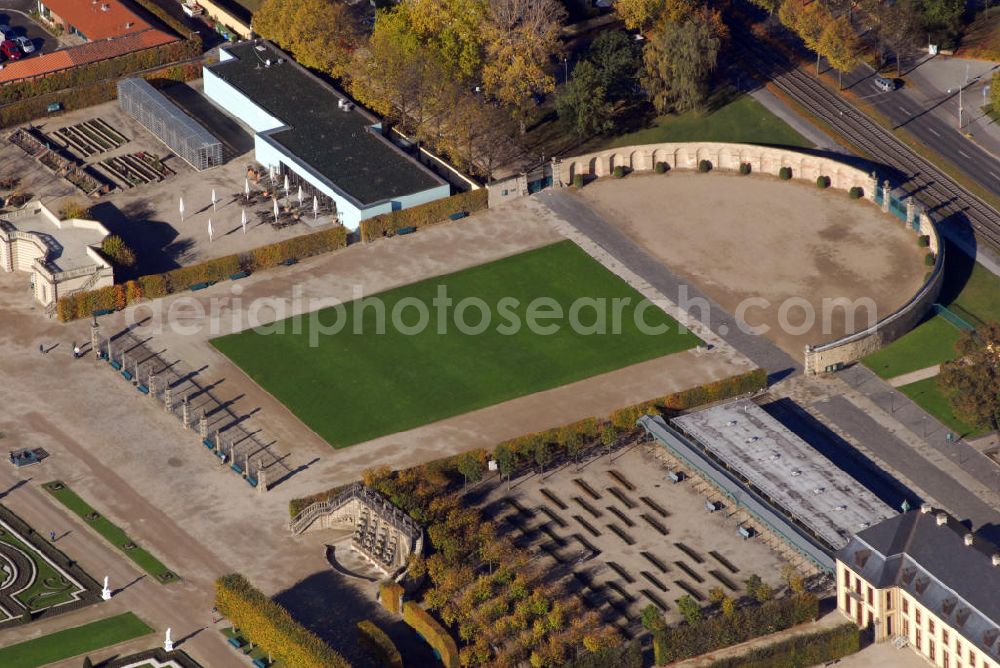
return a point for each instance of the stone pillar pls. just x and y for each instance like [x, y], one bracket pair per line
[886, 194]
[557, 181]
[95, 339]
[185, 413]
[168, 399]
[203, 426]
[911, 212]
[261, 478]
[218, 442]
[151, 384]
[872, 186]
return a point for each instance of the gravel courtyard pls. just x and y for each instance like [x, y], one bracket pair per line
[741, 238]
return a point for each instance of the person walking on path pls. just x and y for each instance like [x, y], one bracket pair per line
[52, 536]
[41, 348]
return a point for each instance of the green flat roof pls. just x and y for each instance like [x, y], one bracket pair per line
[337, 145]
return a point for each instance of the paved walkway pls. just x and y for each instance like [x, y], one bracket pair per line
[914, 376]
[777, 106]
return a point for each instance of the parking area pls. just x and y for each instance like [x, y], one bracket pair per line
[617, 531]
[21, 25]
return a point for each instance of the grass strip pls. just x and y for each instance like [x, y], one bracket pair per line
[110, 531]
[73, 641]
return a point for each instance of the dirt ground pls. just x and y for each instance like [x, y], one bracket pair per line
[668, 544]
[742, 238]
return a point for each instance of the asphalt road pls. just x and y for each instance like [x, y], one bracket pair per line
[927, 120]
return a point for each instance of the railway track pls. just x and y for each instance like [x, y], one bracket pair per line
[945, 198]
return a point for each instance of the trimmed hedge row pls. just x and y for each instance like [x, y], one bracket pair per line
[269, 625]
[810, 649]
[377, 642]
[154, 286]
[687, 640]
[389, 595]
[386, 224]
[88, 95]
[436, 636]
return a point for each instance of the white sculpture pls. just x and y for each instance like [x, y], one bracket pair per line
[106, 592]
[168, 644]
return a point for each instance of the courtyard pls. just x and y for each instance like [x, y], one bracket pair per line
[623, 536]
[770, 252]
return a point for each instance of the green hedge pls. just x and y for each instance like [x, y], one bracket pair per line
[810, 649]
[154, 286]
[435, 635]
[87, 94]
[687, 640]
[389, 595]
[265, 623]
[376, 642]
[437, 211]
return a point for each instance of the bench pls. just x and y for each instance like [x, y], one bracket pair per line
[406, 230]
[142, 388]
[103, 311]
[238, 275]
[127, 375]
[260, 663]
[201, 286]
[290, 261]
[458, 215]
[221, 455]
[251, 481]
[237, 468]
[207, 442]
[115, 365]
[236, 642]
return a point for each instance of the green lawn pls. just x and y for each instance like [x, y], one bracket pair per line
[49, 588]
[111, 532]
[971, 291]
[742, 120]
[73, 642]
[351, 388]
[925, 393]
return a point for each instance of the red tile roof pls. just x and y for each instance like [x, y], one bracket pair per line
[98, 19]
[91, 52]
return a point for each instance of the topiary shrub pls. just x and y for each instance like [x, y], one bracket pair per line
[785, 173]
[929, 259]
[578, 180]
[660, 168]
[855, 192]
[745, 168]
[923, 241]
[618, 172]
[704, 166]
[822, 182]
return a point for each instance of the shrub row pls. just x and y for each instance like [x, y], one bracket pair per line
[386, 224]
[687, 640]
[269, 625]
[376, 642]
[169, 20]
[624, 419]
[88, 95]
[389, 595]
[102, 70]
[810, 649]
[154, 286]
[436, 636]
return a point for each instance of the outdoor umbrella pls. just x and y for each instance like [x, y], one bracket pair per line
[300, 195]
[210, 233]
[246, 187]
[182, 209]
[213, 199]
[243, 221]
[275, 209]
[315, 207]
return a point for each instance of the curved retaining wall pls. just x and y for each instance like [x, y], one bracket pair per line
[770, 160]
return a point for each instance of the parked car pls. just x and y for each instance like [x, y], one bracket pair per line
[24, 44]
[885, 85]
[9, 48]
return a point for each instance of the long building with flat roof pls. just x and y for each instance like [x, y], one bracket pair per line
[304, 126]
[807, 486]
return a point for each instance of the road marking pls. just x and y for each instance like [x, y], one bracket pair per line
[936, 133]
[963, 153]
[993, 174]
[903, 110]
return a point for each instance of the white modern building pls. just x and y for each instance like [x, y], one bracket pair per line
[60, 256]
[305, 127]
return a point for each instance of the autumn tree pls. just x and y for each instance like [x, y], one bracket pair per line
[470, 466]
[652, 618]
[505, 461]
[678, 62]
[972, 380]
[689, 609]
[839, 45]
[808, 19]
[521, 37]
[542, 453]
[901, 30]
[321, 34]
